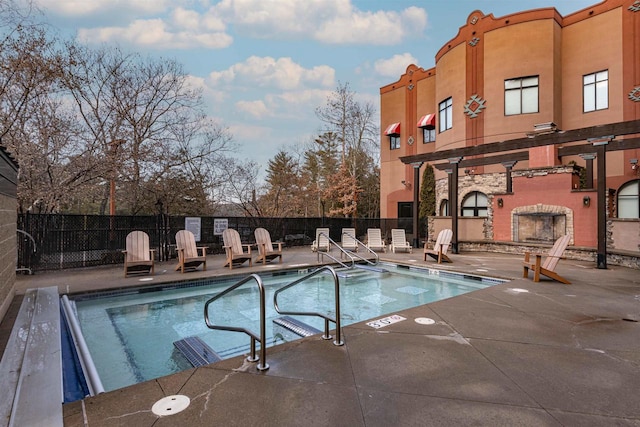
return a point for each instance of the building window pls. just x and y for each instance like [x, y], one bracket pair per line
[394, 142]
[521, 96]
[428, 135]
[446, 114]
[474, 204]
[596, 91]
[444, 208]
[629, 200]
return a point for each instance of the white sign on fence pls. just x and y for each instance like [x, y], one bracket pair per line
[193, 224]
[219, 225]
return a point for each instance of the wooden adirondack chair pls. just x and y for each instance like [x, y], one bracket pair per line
[322, 241]
[374, 240]
[234, 248]
[138, 257]
[265, 246]
[190, 256]
[399, 241]
[441, 247]
[548, 267]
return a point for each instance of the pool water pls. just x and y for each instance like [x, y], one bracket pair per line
[130, 334]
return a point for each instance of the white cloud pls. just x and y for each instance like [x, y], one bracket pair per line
[328, 21]
[281, 73]
[154, 33]
[394, 66]
[90, 7]
[378, 28]
[257, 109]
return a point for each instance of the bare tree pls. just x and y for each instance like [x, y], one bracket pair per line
[147, 122]
[353, 124]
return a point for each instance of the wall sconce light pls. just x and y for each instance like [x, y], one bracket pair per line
[469, 171]
[405, 183]
[634, 164]
[586, 200]
[500, 202]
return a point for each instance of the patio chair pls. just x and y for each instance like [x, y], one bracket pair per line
[190, 256]
[547, 268]
[374, 240]
[348, 240]
[440, 248]
[234, 249]
[322, 241]
[138, 257]
[265, 246]
[399, 241]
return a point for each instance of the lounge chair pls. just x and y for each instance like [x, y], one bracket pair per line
[138, 257]
[374, 240]
[190, 256]
[234, 248]
[547, 268]
[348, 240]
[399, 241]
[265, 246]
[440, 248]
[322, 241]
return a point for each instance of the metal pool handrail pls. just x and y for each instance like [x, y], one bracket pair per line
[356, 255]
[262, 366]
[336, 281]
[331, 242]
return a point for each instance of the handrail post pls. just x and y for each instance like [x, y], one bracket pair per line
[326, 318]
[262, 365]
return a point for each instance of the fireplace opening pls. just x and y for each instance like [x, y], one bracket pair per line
[539, 227]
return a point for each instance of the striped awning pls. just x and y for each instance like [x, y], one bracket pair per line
[428, 121]
[393, 129]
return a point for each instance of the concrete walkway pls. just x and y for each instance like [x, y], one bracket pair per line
[519, 353]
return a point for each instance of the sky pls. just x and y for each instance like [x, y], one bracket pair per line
[265, 66]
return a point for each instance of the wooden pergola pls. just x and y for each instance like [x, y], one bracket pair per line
[599, 140]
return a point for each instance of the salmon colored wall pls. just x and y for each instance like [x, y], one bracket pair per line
[584, 53]
[450, 70]
[527, 46]
[552, 189]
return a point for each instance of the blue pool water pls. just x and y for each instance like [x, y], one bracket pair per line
[130, 334]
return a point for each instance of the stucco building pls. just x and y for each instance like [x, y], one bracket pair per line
[514, 117]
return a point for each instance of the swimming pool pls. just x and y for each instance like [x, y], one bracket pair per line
[130, 334]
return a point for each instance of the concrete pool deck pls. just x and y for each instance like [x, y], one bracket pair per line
[518, 353]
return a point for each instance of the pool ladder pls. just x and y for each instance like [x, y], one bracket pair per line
[262, 365]
[352, 256]
[262, 359]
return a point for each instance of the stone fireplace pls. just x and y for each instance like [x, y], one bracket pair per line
[541, 223]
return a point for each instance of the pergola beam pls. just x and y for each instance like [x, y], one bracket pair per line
[560, 137]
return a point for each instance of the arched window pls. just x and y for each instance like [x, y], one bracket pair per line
[629, 200]
[474, 204]
[444, 208]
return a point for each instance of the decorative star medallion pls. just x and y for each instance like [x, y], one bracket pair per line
[474, 106]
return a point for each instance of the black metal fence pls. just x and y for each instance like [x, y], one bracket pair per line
[50, 242]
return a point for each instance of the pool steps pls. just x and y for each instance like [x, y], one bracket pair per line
[197, 352]
[284, 326]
